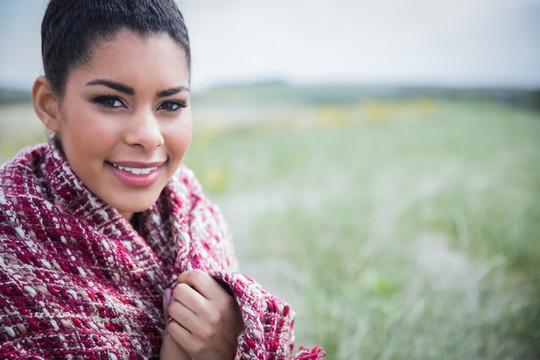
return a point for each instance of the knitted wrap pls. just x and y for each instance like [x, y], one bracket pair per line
[78, 282]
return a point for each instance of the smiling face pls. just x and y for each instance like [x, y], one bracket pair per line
[124, 121]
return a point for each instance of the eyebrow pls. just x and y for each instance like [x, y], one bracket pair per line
[172, 91]
[113, 85]
[130, 91]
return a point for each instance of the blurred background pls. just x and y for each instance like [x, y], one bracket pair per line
[378, 162]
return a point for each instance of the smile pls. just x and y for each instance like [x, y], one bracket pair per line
[136, 171]
[137, 174]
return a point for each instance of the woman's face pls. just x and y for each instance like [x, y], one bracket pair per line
[125, 119]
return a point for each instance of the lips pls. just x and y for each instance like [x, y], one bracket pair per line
[135, 171]
[136, 174]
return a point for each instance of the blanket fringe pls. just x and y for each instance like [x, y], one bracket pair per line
[306, 354]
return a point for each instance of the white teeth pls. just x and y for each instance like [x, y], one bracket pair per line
[135, 171]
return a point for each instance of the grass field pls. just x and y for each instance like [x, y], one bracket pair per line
[397, 228]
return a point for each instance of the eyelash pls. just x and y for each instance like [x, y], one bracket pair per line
[177, 103]
[102, 100]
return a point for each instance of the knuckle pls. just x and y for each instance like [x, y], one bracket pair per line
[175, 330]
[180, 290]
[207, 334]
[197, 274]
[196, 347]
[214, 317]
[174, 310]
[190, 276]
[228, 302]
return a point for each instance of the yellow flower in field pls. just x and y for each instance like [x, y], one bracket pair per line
[215, 178]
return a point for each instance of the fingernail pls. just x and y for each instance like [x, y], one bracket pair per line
[167, 296]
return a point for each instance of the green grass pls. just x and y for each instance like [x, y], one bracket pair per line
[397, 229]
[19, 127]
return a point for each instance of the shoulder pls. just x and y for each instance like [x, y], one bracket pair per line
[22, 171]
[22, 190]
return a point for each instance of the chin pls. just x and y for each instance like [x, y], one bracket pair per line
[138, 206]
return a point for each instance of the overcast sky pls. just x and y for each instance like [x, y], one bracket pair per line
[403, 42]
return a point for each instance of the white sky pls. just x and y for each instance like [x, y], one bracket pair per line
[404, 42]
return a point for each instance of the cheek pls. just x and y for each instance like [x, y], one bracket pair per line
[82, 136]
[179, 138]
[87, 140]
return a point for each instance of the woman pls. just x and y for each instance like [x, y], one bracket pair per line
[109, 248]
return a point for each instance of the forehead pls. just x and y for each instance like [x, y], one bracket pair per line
[129, 57]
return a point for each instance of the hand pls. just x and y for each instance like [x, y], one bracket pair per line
[206, 320]
[170, 349]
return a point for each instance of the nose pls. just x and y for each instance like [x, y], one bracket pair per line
[144, 130]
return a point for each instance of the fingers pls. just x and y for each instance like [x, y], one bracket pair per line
[170, 349]
[189, 297]
[179, 333]
[203, 283]
[207, 319]
[192, 310]
[185, 307]
[195, 333]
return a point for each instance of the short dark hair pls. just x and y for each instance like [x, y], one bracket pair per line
[71, 29]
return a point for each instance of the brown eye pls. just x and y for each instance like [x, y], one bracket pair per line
[172, 105]
[109, 101]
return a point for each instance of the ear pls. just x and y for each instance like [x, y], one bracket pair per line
[46, 103]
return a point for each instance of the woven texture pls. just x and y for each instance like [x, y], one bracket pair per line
[78, 282]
